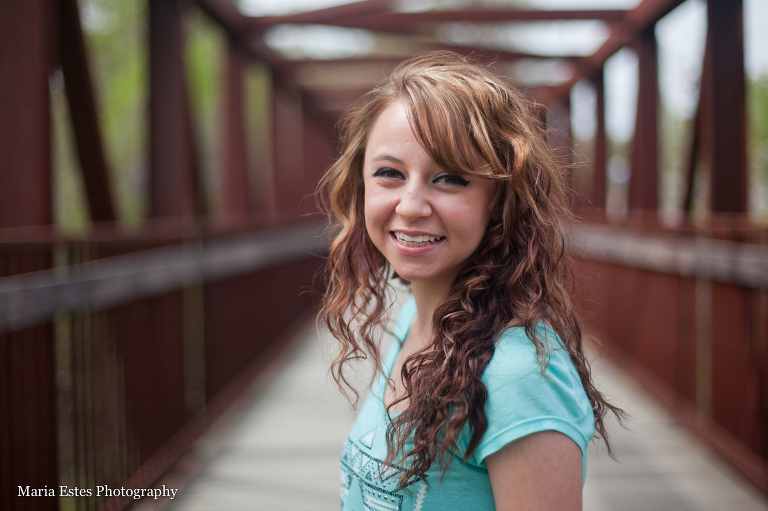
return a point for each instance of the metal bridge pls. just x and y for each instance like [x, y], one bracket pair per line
[121, 345]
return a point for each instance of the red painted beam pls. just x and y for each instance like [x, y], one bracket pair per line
[287, 151]
[626, 27]
[292, 66]
[601, 146]
[558, 118]
[26, 56]
[729, 141]
[646, 14]
[548, 95]
[342, 96]
[82, 108]
[170, 152]
[237, 203]
[643, 182]
[411, 21]
[288, 83]
[425, 22]
[488, 55]
[200, 205]
[226, 14]
[701, 143]
[292, 106]
[229, 17]
[334, 93]
[485, 56]
[28, 422]
[324, 16]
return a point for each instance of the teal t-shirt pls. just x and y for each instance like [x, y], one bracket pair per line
[521, 400]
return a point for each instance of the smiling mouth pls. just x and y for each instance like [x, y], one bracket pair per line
[416, 241]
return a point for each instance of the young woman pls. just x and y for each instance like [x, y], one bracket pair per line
[484, 398]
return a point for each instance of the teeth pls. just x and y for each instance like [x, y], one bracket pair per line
[416, 241]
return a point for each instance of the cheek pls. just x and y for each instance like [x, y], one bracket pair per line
[470, 219]
[375, 216]
[378, 207]
[369, 209]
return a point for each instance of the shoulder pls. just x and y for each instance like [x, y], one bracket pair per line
[518, 373]
[516, 355]
[525, 396]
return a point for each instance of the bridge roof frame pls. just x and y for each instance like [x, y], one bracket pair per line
[377, 16]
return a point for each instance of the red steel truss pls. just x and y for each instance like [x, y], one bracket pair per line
[152, 366]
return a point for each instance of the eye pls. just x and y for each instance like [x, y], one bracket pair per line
[451, 179]
[389, 173]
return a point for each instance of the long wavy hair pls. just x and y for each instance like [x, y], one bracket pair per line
[518, 276]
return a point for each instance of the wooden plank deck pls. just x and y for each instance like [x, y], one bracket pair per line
[279, 450]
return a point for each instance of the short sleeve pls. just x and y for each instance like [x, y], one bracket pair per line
[522, 400]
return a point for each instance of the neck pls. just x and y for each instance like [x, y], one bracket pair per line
[428, 295]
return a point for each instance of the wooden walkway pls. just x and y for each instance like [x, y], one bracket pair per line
[279, 450]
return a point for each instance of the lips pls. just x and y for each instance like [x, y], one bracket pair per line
[421, 240]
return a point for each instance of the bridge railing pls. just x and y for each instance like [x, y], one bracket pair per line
[685, 310]
[118, 351]
[117, 348]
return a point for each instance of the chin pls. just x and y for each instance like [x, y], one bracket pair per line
[410, 276]
[415, 275]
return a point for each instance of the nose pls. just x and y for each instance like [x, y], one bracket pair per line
[413, 203]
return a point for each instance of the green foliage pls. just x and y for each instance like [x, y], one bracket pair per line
[258, 132]
[117, 43]
[674, 146]
[205, 62]
[115, 38]
[69, 207]
[757, 112]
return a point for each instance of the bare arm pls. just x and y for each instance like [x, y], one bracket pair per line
[539, 472]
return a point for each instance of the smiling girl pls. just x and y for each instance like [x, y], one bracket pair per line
[484, 398]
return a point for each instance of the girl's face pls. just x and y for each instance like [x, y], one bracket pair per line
[425, 221]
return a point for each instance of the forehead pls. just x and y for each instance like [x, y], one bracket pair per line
[392, 123]
[392, 138]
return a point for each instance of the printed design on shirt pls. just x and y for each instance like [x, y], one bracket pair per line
[367, 439]
[420, 497]
[378, 482]
[346, 482]
[376, 499]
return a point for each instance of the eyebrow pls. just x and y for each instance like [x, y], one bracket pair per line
[387, 157]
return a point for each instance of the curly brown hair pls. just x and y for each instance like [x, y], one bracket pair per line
[518, 276]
